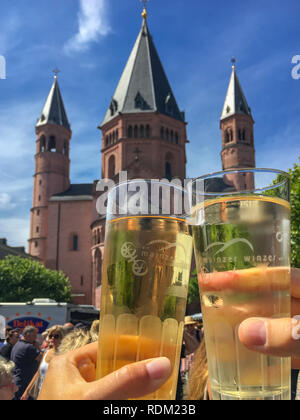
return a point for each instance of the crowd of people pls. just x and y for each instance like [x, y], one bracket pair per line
[24, 361]
[68, 355]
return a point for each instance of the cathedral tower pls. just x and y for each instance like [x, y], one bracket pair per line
[52, 166]
[143, 131]
[237, 128]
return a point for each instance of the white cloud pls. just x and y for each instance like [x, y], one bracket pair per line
[6, 202]
[92, 22]
[16, 230]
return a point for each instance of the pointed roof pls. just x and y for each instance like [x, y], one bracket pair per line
[235, 101]
[54, 110]
[143, 86]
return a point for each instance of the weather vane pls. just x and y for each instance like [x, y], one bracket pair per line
[233, 61]
[56, 71]
[144, 14]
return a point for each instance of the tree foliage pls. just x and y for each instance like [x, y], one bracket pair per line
[295, 215]
[193, 292]
[22, 280]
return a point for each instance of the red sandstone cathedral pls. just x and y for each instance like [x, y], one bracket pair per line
[143, 133]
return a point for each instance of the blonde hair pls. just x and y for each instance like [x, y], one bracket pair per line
[56, 328]
[95, 330]
[6, 367]
[74, 340]
[198, 375]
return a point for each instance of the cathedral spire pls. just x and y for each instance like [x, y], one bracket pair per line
[235, 101]
[54, 110]
[237, 127]
[144, 86]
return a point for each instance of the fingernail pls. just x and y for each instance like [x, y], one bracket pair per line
[255, 333]
[158, 368]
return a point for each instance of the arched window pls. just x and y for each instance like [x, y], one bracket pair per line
[228, 135]
[167, 134]
[142, 134]
[172, 136]
[52, 144]
[244, 135]
[117, 135]
[66, 148]
[75, 242]
[98, 267]
[135, 132]
[42, 144]
[176, 138]
[147, 131]
[129, 131]
[168, 171]
[162, 133]
[111, 166]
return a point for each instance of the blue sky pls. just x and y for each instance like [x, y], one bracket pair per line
[90, 41]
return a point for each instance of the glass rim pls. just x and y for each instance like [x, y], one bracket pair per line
[243, 170]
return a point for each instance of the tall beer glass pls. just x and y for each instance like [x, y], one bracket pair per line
[241, 231]
[145, 275]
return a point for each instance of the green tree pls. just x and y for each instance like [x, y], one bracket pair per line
[22, 280]
[193, 292]
[295, 215]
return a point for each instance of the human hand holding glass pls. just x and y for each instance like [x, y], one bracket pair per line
[241, 239]
[72, 377]
[278, 337]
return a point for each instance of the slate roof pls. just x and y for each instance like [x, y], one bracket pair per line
[6, 250]
[76, 190]
[235, 101]
[54, 110]
[144, 86]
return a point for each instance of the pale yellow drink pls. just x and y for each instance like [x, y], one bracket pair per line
[242, 255]
[145, 281]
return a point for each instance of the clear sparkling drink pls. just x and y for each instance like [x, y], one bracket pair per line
[146, 271]
[242, 256]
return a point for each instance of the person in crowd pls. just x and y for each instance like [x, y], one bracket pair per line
[7, 386]
[69, 327]
[11, 340]
[76, 339]
[55, 336]
[197, 387]
[3, 341]
[190, 336]
[26, 355]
